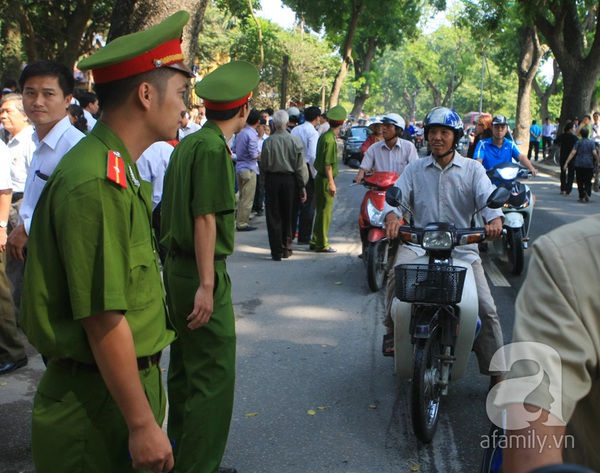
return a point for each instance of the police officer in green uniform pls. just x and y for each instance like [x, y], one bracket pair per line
[198, 225]
[326, 164]
[93, 299]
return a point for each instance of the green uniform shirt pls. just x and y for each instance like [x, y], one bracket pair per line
[327, 154]
[200, 180]
[91, 250]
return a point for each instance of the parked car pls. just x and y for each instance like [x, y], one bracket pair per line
[353, 139]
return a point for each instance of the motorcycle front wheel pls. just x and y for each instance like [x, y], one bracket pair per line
[514, 247]
[376, 264]
[426, 393]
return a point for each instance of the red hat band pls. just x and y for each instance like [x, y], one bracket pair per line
[220, 106]
[161, 56]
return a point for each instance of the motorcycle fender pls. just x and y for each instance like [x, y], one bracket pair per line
[513, 220]
[468, 314]
[403, 347]
[376, 234]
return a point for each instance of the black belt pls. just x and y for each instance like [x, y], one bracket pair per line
[179, 253]
[16, 196]
[143, 363]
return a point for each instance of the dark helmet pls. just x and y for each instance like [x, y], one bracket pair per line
[499, 120]
[446, 117]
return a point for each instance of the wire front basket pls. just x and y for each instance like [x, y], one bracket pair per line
[428, 283]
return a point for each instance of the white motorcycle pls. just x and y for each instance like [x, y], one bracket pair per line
[517, 213]
[435, 312]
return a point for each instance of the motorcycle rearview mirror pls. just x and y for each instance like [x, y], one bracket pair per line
[496, 200]
[393, 197]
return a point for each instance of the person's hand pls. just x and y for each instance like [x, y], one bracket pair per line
[534, 172]
[150, 449]
[303, 197]
[493, 229]
[332, 189]
[392, 224]
[17, 240]
[3, 238]
[203, 308]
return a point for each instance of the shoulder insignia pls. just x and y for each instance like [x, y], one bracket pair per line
[116, 169]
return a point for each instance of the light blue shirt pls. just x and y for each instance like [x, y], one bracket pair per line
[246, 150]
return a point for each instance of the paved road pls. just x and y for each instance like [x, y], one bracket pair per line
[313, 392]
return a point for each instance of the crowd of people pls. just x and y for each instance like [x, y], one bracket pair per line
[95, 307]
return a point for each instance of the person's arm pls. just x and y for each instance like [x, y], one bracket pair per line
[17, 240]
[571, 156]
[523, 457]
[493, 228]
[5, 201]
[527, 163]
[111, 341]
[329, 174]
[205, 237]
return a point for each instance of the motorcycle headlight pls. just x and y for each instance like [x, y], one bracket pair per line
[508, 174]
[437, 240]
[375, 215]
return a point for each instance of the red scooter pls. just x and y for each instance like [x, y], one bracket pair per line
[375, 247]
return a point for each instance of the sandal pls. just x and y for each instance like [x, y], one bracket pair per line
[387, 347]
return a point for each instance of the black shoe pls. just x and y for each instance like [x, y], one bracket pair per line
[302, 242]
[10, 366]
[329, 249]
[246, 229]
[259, 213]
[276, 257]
[227, 470]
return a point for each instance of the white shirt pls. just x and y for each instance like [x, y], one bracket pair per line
[309, 136]
[152, 165]
[323, 127]
[5, 179]
[190, 128]
[383, 159]
[48, 154]
[20, 148]
[91, 121]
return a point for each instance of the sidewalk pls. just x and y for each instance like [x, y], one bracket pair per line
[547, 166]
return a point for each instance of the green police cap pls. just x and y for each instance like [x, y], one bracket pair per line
[229, 86]
[337, 114]
[132, 54]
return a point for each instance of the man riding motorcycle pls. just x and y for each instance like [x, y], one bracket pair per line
[497, 149]
[392, 154]
[445, 186]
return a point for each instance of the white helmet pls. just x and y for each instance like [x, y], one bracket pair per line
[394, 119]
[293, 112]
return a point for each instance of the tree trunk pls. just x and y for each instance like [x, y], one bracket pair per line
[529, 60]
[130, 16]
[10, 63]
[544, 96]
[346, 52]
[580, 67]
[361, 68]
[76, 27]
[260, 36]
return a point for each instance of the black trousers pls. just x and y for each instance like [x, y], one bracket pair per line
[535, 147]
[584, 181]
[280, 190]
[567, 177]
[306, 216]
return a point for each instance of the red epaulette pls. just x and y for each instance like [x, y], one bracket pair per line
[115, 170]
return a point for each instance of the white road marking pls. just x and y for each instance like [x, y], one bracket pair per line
[495, 274]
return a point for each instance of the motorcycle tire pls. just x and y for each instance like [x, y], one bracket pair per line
[376, 265]
[492, 461]
[514, 247]
[426, 394]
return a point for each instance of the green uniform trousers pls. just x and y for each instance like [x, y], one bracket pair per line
[77, 427]
[201, 376]
[324, 209]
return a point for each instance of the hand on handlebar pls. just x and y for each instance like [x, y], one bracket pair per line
[493, 229]
[391, 227]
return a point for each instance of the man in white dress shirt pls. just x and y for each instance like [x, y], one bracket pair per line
[47, 92]
[89, 103]
[392, 154]
[187, 127]
[309, 136]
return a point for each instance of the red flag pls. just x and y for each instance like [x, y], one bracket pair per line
[116, 169]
